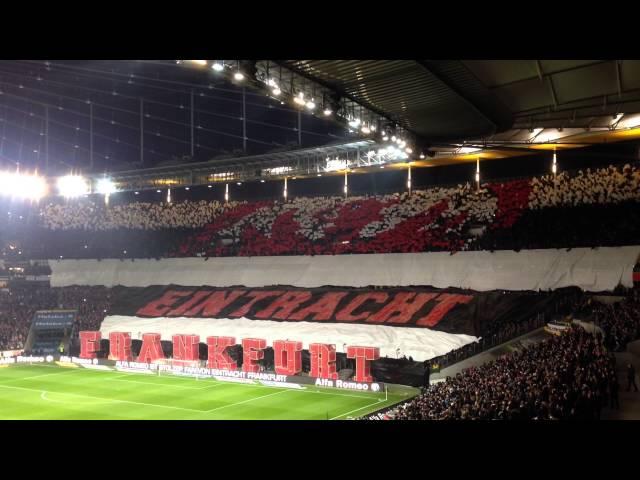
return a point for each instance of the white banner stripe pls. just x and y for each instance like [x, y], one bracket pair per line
[590, 269]
[419, 343]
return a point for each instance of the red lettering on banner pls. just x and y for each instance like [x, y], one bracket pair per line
[284, 305]
[186, 347]
[323, 361]
[89, 344]
[345, 315]
[196, 298]
[120, 346]
[364, 356]
[214, 304]
[446, 301]
[402, 307]
[256, 296]
[287, 357]
[159, 307]
[151, 349]
[252, 352]
[217, 356]
[323, 308]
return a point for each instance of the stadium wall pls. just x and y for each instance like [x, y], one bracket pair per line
[594, 270]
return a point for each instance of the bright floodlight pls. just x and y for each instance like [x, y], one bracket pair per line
[238, 76]
[327, 112]
[299, 99]
[366, 130]
[22, 186]
[311, 105]
[199, 62]
[72, 186]
[217, 66]
[105, 186]
[276, 91]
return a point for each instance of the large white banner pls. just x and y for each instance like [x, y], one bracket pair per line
[419, 343]
[593, 270]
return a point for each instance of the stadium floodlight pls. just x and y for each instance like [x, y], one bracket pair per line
[71, 186]
[23, 186]
[217, 66]
[299, 99]
[105, 186]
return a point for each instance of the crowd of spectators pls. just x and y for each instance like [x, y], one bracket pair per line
[18, 306]
[591, 208]
[620, 321]
[571, 376]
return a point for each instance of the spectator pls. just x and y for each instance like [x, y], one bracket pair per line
[631, 378]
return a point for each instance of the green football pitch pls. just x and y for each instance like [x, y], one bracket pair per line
[48, 392]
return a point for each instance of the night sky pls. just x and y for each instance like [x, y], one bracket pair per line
[115, 89]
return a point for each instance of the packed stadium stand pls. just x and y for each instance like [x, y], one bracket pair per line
[590, 208]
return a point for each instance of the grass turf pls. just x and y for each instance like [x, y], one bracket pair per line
[47, 392]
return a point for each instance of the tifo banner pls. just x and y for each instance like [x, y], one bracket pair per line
[418, 322]
[594, 270]
[47, 319]
[453, 311]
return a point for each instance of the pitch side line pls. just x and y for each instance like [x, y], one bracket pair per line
[218, 382]
[41, 375]
[357, 409]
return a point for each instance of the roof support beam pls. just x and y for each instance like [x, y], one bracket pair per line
[454, 89]
[553, 92]
[539, 68]
[618, 77]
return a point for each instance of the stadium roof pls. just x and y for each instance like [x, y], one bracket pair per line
[109, 116]
[456, 100]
